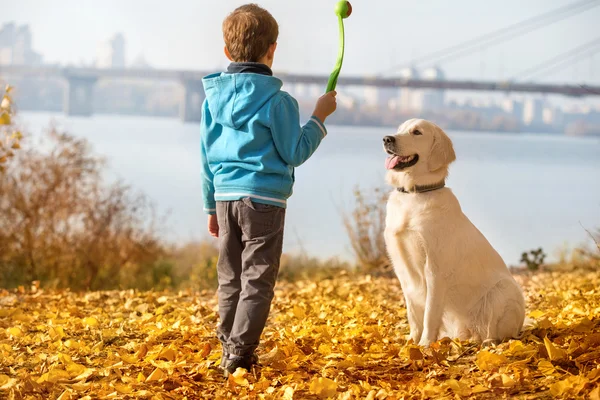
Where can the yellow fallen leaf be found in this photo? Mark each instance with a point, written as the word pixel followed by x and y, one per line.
pixel 536 314
pixel 6 382
pixel 288 393
pixel 546 367
pixel 56 332
pixel 15 331
pixel 65 395
pixel 457 387
pixel 451 384
pixel 91 321
pixel 239 377
pixel 593 374
pixel 156 375
pixel 141 377
pixel 487 361
pixel 56 375
pixel 586 325
pixel 168 365
pixel 122 388
pixel 84 374
pixel 554 352
pixel 595 393
pixel 323 387
pixel 299 312
pixel 507 381
pixel 81 386
pixel 430 390
pixel 479 389
pixel 517 348
pixel 545 324
pixel 75 369
pixel 98 347
pixel 570 386
pixel 71 344
pixel 324 349
pixel 168 354
pixel 129 358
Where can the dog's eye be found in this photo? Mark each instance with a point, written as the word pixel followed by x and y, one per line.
pixel 416 132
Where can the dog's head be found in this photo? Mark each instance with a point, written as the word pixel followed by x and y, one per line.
pixel 419 154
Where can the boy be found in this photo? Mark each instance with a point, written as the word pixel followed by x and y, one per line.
pixel 251 140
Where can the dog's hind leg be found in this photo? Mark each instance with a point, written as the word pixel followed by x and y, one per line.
pixel 501 313
pixel 510 323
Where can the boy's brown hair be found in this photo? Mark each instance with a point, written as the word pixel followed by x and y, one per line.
pixel 248 32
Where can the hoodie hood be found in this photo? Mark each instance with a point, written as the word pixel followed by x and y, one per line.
pixel 234 98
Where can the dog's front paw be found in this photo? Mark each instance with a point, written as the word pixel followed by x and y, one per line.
pixel 426 339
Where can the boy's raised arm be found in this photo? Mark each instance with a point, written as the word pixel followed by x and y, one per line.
pixel 295 144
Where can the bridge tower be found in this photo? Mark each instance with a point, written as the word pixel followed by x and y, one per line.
pixel 79 96
pixel 190 108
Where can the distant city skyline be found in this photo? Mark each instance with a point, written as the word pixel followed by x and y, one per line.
pixel 187 35
pixel 16 45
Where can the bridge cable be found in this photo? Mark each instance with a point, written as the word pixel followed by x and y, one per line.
pixel 558 59
pixel 540 70
pixel 504 34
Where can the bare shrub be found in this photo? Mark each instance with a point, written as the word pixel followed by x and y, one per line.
pixel 365 226
pixel 63 226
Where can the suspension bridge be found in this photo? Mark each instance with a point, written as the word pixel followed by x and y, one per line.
pixel 78 99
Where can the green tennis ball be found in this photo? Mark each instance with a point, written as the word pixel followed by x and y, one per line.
pixel 343 9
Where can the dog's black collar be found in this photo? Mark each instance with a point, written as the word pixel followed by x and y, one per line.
pixel 423 188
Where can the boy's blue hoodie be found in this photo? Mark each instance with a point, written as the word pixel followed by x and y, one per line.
pixel 251 139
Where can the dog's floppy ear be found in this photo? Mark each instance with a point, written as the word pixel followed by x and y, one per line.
pixel 442 151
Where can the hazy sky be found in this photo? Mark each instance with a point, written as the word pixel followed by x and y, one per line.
pixel 186 34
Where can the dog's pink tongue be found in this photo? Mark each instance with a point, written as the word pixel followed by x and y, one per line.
pixel 391 162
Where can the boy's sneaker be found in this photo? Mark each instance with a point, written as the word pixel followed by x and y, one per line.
pixel 236 362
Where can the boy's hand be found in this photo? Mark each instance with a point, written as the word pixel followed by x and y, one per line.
pixel 213 226
pixel 326 105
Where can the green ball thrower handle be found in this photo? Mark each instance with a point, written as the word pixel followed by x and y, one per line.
pixel 343 9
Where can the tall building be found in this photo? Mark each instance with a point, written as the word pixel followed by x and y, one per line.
pixel 16 46
pixel 533 111
pixel 513 107
pixel 552 116
pixel 380 97
pixel 111 54
pixel 432 99
pixel 409 99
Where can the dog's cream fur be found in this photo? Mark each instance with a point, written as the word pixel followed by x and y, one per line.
pixel 454 283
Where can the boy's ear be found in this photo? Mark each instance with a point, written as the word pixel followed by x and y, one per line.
pixel 271 53
pixel 227 54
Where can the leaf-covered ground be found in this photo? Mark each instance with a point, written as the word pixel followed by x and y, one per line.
pixel 341 339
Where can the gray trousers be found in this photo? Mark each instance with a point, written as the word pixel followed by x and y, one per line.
pixel 250 246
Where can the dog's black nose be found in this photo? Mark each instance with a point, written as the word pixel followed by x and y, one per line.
pixel 389 140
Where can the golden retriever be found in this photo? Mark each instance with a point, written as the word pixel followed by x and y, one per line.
pixel 454 282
